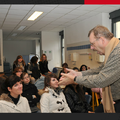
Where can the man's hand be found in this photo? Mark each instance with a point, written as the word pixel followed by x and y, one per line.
pixel 73 72
pixel 66 79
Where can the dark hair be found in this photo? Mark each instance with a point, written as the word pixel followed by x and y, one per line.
pixel 101 31
pixel 18 57
pixel 2 80
pixel 9 82
pixel 41 59
pixel 82 66
pixel 48 79
pixel 75 68
pixel 34 59
pixel 16 70
pixel 23 74
pixel 65 65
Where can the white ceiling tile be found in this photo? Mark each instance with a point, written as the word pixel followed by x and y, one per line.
pixel 42 8
pixel 78 12
pixel 18 12
pixel 89 7
pixel 68 16
pixel 24 7
pixel 4 6
pixel 54 15
pixel 61 10
pixel 3 11
pixel 15 17
pixel 106 9
pixel 69 6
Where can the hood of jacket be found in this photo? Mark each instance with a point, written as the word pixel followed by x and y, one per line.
pixel 5 97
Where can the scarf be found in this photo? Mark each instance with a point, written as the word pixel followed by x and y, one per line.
pixel 106 92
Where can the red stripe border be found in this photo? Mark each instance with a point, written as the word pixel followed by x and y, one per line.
pixel 102 2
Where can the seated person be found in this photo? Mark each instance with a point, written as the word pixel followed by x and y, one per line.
pixel 76 69
pixel 11 100
pixel 33 69
pixel 30 92
pixel 19 62
pixel 18 71
pixel 64 65
pixel 2 79
pixel 43 65
pixel 75 98
pixel 53 99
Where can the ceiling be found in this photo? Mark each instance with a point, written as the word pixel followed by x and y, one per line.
pixel 55 17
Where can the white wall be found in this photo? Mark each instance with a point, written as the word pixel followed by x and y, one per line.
pixel 37 49
pixel 51 41
pixel 77 35
pixel 11 49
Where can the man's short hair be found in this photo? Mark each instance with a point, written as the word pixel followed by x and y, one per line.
pixel 101 31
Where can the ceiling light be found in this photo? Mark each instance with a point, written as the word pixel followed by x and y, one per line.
pixel 21 27
pixel 14 34
pixel 35 15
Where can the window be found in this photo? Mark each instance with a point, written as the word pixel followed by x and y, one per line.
pixel 62 47
pixel 115 17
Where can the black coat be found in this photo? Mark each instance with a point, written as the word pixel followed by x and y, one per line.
pixel 28 91
pixel 76 104
pixel 43 67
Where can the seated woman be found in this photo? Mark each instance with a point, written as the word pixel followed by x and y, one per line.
pixel 75 98
pixel 33 69
pixel 18 71
pixel 19 62
pixel 30 92
pixel 53 99
pixel 64 65
pixel 43 65
pixel 11 100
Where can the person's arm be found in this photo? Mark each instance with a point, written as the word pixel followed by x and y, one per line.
pixel 47 67
pixel 27 107
pixel 44 103
pixel 37 98
pixel 41 67
pixel 107 76
pixel 93 71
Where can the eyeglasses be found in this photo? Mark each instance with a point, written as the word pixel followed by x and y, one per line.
pixel 92 44
pixel 26 77
pixel 19 71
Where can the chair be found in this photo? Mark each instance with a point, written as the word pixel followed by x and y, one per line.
pixel 95 101
pixel 7 69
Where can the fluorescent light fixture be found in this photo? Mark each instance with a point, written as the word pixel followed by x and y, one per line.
pixel 35 15
pixel 14 34
pixel 21 27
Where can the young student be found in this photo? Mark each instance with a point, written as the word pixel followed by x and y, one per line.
pixel 43 65
pixel 30 92
pixel 11 100
pixel 75 97
pixel 18 71
pixel 19 62
pixel 64 65
pixel 33 69
pixel 53 99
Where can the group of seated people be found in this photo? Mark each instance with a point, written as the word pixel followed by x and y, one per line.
pixel 19 93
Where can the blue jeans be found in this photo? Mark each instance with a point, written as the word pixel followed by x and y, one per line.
pixel 40 83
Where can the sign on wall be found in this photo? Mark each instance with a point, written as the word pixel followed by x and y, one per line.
pixel 48 54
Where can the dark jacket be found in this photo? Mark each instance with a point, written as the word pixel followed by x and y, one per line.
pixel 34 69
pixel 28 91
pixel 14 66
pixel 43 67
pixel 76 104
